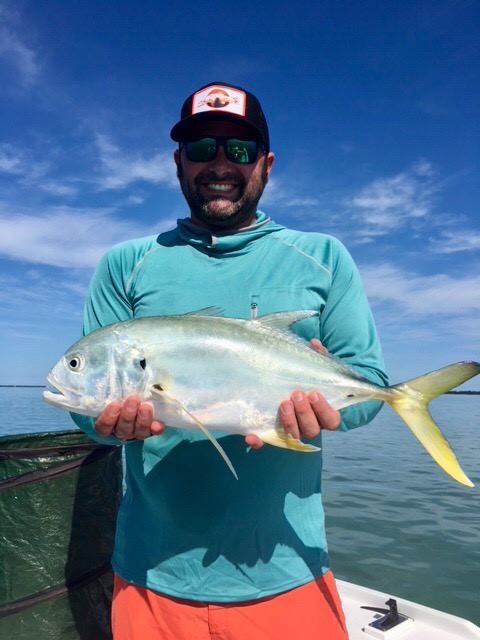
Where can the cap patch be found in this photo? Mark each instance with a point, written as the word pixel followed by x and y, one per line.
pixel 219 98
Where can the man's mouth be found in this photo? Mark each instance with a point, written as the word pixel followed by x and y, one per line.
pixel 220 186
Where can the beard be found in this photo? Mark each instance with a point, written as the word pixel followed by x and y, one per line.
pixel 220 212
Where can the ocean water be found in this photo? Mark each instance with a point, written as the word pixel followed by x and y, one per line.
pixel 395 521
pixel 22 410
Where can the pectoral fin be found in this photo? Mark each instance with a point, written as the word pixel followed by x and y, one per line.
pixel 179 409
pixel 285 441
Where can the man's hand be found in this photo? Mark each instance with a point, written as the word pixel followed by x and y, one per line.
pixel 304 415
pixel 131 419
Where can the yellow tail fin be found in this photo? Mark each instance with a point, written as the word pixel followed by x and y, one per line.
pixel 410 400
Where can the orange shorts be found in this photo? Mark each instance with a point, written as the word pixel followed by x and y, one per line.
pixel 312 611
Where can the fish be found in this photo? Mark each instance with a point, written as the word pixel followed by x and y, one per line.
pixel 203 371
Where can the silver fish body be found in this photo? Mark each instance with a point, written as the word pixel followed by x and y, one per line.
pixel 230 375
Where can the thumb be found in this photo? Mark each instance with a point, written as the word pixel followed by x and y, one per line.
pixel 318 346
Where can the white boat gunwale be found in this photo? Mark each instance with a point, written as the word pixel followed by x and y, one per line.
pixel 428 623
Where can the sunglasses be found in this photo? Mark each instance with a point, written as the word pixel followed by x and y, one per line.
pixel 237 151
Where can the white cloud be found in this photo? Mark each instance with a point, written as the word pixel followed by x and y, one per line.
pixel 16 53
pixel 456 241
pixel 117 169
pixel 381 208
pixel 135 200
pixel 386 204
pixel 121 169
pixel 20 164
pixel 423 168
pixel 302 201
pixel 17 162
pixel 34 287
pixel 66 236
pixel 10 161
pixel 56 188
pixel 273 192
pixel 276 194
pixel 422 296
pixel 49 295
pixel 418 312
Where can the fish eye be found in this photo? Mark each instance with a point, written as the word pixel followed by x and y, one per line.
pixel 75 363
pixel 143 363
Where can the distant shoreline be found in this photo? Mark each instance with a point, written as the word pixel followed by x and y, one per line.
pixel 23 386
pixel 42 386
pixel 462 393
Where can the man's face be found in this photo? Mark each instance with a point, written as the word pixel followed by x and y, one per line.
pixel 220 193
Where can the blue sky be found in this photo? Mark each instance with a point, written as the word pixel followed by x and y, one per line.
pixel 373 112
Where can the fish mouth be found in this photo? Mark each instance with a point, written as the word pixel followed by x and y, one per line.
pixel 60 396
pixel 54 394
pixel 70 399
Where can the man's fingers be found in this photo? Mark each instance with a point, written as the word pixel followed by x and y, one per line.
pixel 253 441
pixel 308 423
pixel 131 420
pixel 303 416
pixel 327 417
pixel 288 418
pixel 106 421
pixel 126 422
pixel 143 423
pixel 157 428
pixel 317 345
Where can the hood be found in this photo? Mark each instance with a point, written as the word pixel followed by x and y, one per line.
pixel 229 243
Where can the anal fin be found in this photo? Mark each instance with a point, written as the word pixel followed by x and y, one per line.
pixel 286 441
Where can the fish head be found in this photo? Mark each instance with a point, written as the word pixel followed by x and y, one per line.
pixel 100 368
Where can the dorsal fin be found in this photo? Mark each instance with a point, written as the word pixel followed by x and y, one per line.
pixel 284 320
pixel 214 312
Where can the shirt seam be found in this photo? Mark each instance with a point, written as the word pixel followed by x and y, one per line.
pixel 136 268
pixel 303 253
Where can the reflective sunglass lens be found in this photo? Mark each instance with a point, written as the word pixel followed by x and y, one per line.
pixel 241 151
pixel 236 150
pixel 201 150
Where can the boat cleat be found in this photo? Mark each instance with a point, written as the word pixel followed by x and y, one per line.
pixel 390 625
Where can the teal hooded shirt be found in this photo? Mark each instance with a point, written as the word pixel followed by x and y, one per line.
pixel 186 527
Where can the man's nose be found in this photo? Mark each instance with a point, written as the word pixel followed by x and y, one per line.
pixel 220 161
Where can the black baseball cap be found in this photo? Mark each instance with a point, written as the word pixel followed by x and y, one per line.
pixel 221 101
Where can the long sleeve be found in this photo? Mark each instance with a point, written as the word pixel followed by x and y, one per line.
pixel 348 332
pixel 107 302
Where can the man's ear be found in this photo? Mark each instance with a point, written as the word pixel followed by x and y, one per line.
pixel 267 166
pixel 178 162
pixel 270 161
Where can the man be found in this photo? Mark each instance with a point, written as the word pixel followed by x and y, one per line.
pixel 198 554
